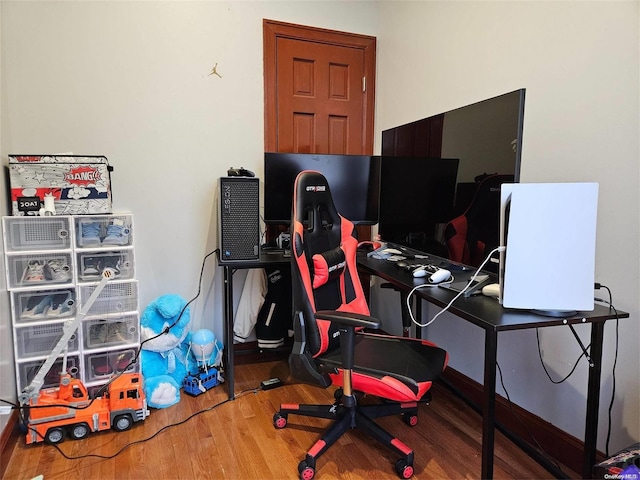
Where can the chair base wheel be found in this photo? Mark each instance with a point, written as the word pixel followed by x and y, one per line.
pixel 410 419
pixel 306 472
pixel 279 420
pixel 404 469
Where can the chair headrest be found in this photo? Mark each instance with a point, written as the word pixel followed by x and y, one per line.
pixel 313 195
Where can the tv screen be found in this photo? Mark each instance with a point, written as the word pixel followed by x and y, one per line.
pixel 486 138
pixel 416 194
pixel 354 181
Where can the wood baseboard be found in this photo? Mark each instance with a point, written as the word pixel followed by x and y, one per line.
pixel 541 435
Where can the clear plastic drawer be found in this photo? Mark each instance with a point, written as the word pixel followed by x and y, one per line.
pixel 36 305
pixel 104 231
pixel 99 366
pixel 38 340
pixel 39 269
pixel 92 264
pixel 116 297
pixel 110 331
pixel 28 370
pixel 37 233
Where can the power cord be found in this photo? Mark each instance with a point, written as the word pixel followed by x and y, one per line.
pixel 609 302
pixel 166 427
pixel 598 286
pixel 573 369
pixel 524 426
pixel 460 293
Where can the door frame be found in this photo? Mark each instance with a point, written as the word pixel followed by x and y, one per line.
pixel 272 30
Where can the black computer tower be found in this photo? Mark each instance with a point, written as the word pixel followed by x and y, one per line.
pixel 238 218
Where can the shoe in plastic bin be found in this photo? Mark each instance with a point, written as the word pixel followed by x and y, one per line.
pixel 89 234
pixel 34 272
pixel 57 271
pixel 117 233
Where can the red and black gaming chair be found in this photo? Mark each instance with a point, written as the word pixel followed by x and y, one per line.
pixel 331 346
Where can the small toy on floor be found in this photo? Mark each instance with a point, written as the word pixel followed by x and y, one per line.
pixel 207 351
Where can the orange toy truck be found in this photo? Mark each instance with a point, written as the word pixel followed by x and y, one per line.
pixel 68 410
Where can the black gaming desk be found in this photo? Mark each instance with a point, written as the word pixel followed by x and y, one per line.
pixel 489 315
pixel 266 258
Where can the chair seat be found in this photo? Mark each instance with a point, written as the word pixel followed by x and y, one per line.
pixel 395 368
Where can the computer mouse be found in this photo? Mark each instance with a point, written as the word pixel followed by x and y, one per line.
pixel 439 276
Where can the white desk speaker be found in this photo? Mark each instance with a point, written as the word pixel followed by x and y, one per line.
pixel 549 230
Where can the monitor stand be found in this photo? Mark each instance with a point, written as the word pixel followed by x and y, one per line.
pixel 555 313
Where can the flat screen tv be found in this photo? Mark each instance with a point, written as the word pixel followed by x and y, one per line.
pixel 354 181
pixel 416 194
pixel 486 139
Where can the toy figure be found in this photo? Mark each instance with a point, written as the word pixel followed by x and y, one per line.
pixel 207 351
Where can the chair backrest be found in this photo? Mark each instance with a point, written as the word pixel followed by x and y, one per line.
pixel 324 271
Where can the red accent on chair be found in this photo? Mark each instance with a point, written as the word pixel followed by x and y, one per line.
pixel 401 446
pixel 317 448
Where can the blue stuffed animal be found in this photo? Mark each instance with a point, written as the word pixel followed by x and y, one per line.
pixel 164 360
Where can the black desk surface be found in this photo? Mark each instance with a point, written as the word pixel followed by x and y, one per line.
pixel 267 257
pixel 482 311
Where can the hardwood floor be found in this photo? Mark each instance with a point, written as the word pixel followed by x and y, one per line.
pixel 237 440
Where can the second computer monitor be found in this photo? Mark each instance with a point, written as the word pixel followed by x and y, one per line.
pixel 416 195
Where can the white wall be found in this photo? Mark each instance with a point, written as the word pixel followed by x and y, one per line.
pixel 7 370
pixel 129 80
pixel 579 62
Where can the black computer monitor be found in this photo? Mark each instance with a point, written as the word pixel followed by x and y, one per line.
pixel 416 195
pixel 354 181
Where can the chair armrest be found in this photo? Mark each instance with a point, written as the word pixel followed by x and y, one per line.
pixel 349 319
pixel 348 322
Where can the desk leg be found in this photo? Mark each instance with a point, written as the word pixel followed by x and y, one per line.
pixel 489 413
pixel 593 400
pixel 406 319
pixel 228 329
pixel 419 317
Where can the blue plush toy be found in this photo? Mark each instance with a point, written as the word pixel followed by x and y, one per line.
pixel 164 360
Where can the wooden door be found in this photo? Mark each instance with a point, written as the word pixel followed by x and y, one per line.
pixel 319 90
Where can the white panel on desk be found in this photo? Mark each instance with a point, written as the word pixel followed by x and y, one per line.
pixel 551 239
